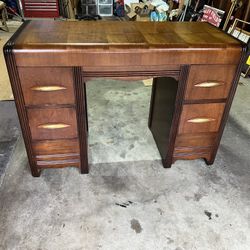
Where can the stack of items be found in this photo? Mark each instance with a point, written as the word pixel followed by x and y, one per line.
pixel 155 10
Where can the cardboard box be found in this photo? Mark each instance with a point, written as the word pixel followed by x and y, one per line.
pixel 140 11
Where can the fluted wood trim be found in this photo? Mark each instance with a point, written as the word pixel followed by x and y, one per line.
pixel 80 97
pixel 144 74
pixel 19 99
pixel 228 104
pixel 177 113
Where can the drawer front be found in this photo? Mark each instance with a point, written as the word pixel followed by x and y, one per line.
pixel 192 155
pixel 56 123
pixel 209 81
pixel 200 118
pixel 57 153
pixel 52 147
pixel 195 140
pixel 193 146
pixel 58 163
pixel 47 85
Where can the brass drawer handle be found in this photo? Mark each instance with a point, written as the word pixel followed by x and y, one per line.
pixel 208 84
pixel 48 88
pixel 54 125
pixel 201 120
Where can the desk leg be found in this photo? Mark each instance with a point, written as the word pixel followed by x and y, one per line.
pixel 81 111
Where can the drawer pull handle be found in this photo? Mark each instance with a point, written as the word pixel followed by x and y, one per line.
pixel 201 120
pixel 54 125
pixel 208 84
pixel 48 88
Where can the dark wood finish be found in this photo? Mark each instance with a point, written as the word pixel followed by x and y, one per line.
pixel 166 102
pixel 133 75
pixel 168 159
pixel 86 108
pixel 201 101
pixel 47 85
pixel 80 95
pixel 204 85
pixel 193 65
pixel 162 111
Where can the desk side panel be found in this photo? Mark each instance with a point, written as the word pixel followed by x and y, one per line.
pixel 163 98
pixel 19 99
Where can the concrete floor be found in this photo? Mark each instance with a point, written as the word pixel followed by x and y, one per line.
pixel 127 202
pixel 9 134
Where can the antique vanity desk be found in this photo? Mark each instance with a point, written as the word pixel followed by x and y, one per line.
pixel 195 67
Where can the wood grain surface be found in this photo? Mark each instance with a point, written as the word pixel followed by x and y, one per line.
pixel 112 44
pixel 122 34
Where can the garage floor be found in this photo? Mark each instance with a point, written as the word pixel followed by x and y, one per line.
pixel 9 134
pixel 129 201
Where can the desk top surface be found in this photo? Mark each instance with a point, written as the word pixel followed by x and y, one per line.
pixel 121 35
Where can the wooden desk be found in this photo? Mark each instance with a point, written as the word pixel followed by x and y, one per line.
pixel 195 66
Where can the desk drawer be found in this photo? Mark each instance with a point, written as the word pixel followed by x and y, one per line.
pixel 196 140
pixel 52 147
pixel 209 81
pixel 192 154
pixel 57 153
pixel 193 146
pixel 47 85
pixel 56 123
pixel 200 118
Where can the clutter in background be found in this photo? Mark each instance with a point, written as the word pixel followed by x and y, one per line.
pixel 155 10
pixel 159 12
pixel 168 10
pixel 139 11
pixel 238 30
pixel 4 16
pixel 212 15
pixel 119 8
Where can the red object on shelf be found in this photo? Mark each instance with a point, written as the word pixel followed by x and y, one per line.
pixel 212 15
pixel 40 8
